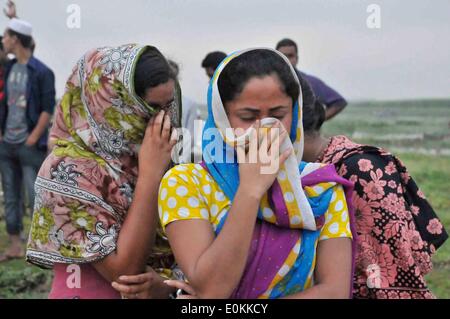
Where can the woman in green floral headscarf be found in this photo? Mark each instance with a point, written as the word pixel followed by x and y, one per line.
pixel 95 215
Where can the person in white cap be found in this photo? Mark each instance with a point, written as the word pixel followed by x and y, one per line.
pixel 11 12
pixel 25 112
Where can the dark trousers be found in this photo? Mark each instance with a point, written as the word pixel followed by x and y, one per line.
pixel 19 165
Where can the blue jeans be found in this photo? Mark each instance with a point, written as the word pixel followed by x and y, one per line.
pixel 18 164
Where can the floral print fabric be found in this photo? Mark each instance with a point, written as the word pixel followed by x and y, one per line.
pixel 85 186
pixel 398 231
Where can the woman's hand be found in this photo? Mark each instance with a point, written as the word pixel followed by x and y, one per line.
pixel 10 11
pixel 148 285
pixel 259 165
pixel 178 284
pixel 156 148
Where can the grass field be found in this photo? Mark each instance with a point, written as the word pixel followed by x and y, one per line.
pixel 417 131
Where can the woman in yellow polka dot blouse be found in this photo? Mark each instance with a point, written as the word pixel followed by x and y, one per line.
pixel 231 234
pixel 240 230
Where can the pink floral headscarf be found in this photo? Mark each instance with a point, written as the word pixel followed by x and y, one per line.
pixel 85 186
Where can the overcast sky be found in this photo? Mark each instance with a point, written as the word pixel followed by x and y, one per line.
pixel 408 57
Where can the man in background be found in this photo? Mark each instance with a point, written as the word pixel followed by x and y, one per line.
pixel 212 61
pixel 29 101
pixel 332 100
pixel 11 12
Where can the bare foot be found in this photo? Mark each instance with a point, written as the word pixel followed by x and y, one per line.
pixel 4 257
pixel 16 251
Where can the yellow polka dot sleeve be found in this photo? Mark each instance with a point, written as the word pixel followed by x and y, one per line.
pixel 187 191
pixel 337 222
pixel 180 197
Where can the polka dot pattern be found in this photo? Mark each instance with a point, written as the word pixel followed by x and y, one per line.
pixel 267 213
pixel 182 191
pixel 337 223
pixel 187 191
pixel 289 197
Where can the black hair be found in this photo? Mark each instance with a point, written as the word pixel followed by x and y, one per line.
pixel 256 63
pixel 152 69
pixel 260 63
pixel 1 44
pixel 313 110
pixel 213 59
pixel 174 65
pixel 25 40
pixel 313 117
pixel 287 43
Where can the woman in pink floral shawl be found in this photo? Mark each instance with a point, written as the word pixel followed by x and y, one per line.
pixel 95 212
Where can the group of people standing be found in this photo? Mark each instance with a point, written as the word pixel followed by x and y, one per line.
pixel 335 219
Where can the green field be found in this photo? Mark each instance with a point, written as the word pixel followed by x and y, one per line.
pixel 417 131
pixel 403 126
